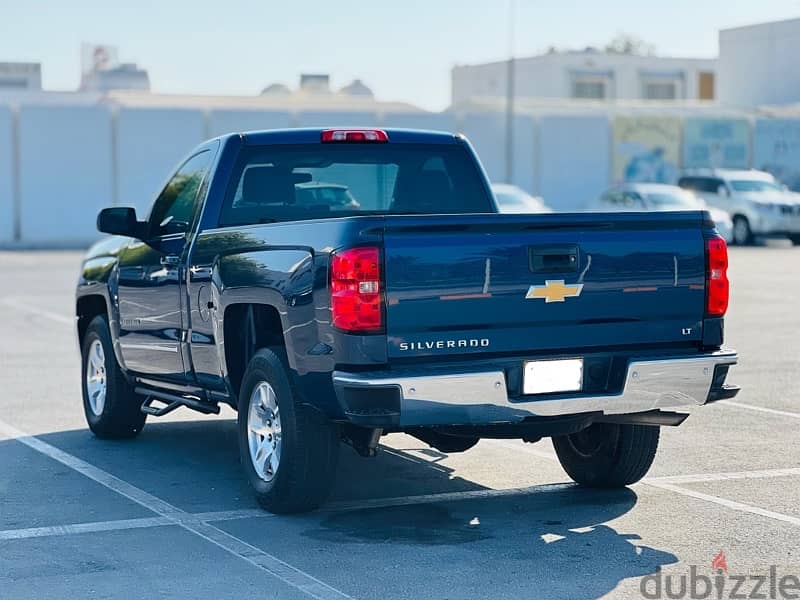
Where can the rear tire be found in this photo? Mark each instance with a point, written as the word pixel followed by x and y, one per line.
pixel 608 455
pixel 112 408
pixel 742 234
pixel 288 450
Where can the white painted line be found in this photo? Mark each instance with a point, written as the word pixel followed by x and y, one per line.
pixel 707 477
pixel 290 575
pixel 37 311
pixel 525 447
pixel 668 483
pixel 122 524
pixel 59 530
pixel 411 458
pixel 200 519
pixel 764 409
pixel 231 515
pixel 731 504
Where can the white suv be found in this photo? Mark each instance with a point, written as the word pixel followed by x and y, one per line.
pixel 758 203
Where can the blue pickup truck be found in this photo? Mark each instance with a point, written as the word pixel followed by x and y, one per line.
pixel 336 285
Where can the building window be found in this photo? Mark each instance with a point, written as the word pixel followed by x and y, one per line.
pixel 662 85
pixel 591 89
pixel 660 90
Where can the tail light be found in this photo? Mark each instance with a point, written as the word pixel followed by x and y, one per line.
pixel 354 135
pixel 356 299
pixel 717 285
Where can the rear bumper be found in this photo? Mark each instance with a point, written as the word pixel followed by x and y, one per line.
pixel 434 397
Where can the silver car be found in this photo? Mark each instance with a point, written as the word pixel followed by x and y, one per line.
pixel 759 204
pixel 511 199
pixel 658 197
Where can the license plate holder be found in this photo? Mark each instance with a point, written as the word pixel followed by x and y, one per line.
pixel 552 376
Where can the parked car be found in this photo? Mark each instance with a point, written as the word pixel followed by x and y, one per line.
pixel 758 204
pixel 660 197
pixel 511 199
pixel 332 195
pixel 427 314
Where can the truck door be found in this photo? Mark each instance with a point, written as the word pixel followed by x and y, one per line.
pixel 150 297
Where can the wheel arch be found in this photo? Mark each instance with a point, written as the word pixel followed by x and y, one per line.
pixel 248 326
pixel 87 308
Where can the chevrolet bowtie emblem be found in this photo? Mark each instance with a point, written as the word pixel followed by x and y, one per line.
pixel 554 290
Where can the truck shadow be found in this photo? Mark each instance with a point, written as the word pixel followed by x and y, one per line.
pixel 551 541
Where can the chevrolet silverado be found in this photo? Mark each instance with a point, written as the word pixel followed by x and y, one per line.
pixel 413 306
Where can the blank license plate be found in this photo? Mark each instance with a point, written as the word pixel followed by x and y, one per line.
pixel 550 376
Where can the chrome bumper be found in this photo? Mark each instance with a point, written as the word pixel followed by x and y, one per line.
pixel 458 398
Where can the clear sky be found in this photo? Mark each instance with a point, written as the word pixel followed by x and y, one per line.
pixel 402 49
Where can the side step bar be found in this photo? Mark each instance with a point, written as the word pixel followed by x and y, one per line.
pixel 171 402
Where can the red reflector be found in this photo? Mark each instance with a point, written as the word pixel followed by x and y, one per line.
pixel 717 285
pixel 356 299
pixel 354 135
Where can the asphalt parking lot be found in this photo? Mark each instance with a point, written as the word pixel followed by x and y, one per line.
pixel 169 516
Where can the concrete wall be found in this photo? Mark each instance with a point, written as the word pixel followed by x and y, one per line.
pixel 77 157
pixel 487 133
pixel 334 119
pixel 150 143
pixel 65 174
pixel 6 174
pixel 758 64
pixel 776 148
pixel 574 161
pixel 229 120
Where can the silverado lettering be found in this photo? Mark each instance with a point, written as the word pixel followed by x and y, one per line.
pixel 328 285
pixel 442 344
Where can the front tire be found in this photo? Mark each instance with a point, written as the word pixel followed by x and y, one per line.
pixel 288 450
pixel 608 455
pixel 742 234
pixel 111 407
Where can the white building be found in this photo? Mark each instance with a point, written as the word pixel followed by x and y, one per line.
pixel 20 76
pixel 758 64
pixel 126 76
pixel 589 74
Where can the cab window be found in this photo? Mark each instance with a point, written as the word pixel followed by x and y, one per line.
pixel 175 207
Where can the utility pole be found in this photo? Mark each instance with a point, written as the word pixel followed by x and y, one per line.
pixel 510 95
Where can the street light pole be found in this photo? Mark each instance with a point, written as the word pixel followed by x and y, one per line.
pixel 510 95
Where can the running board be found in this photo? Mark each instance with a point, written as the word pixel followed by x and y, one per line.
pixel 171 402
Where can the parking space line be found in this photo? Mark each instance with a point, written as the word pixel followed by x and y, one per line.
pixel 200 519
pixel 708 477
pixel 123 524
pixel 526 447
pixel 731 504
pixel 77 528
pixel 37 311
pixel 764 409
pixel 292 576
pixel 668 484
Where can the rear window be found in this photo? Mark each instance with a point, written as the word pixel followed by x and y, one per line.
pixel 298 182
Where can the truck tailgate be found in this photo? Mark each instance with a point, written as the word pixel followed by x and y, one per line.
pixel 542 283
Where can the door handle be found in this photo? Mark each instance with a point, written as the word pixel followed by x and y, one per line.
pixel 170 260
pixel 554 259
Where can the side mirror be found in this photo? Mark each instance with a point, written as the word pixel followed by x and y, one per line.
pixel 119 221
pixel 722 192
